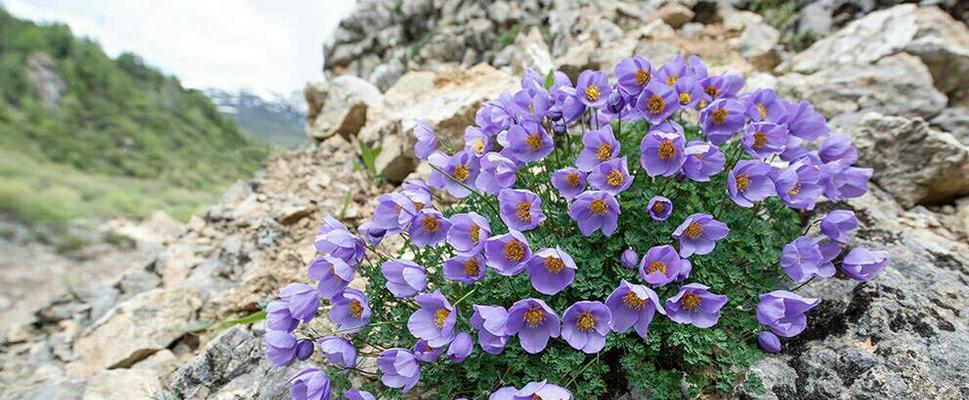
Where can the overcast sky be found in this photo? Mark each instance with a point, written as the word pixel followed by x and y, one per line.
pixel 259 45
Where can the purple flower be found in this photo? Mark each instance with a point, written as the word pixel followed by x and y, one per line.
pixel 400 369
pixel 863 264
pixel 520 209
pixel 371 233
pixel 657 102
pixel 721 86
pixel 460 348
pixel 629 258
pixel 769 342
pixel 542 390
pixel 425 353
pixel 661 153
pixel 599 146
pixel 468 233
pixel 592 88
pixel 569 181
pixel 496 115
pixel 595 210
pixel 762 105
pixel 404 278
pixel 798 185
pixel 550 270
pixel 702 161
pixel 660 208
pixel 662 265
pixel 804 122
pixel 507 253
pixel 357 394
pixel 699 233
pixel 418 192
pixel 688 92
pixel 783 312
pixel 762 139
pixel 838 147
pixel 842 182
pixel 461 169
pixel 505 393
pixel 802 258
pixel 695 305
pixel 750 182
pixel 280 347
pixel 721 119
pixel 585 325
pixel 633 74
pixel 671 72
pixel 428 228
pixel 837 224
pixel 279 318
pixel 393 211
pixel 534 322
pixel 532 104
pixel 476 141
pixel 338 351
pixel 564 99
pixel 526 142
pixel 465 269
pixel 303 300
pixel 490 321
pixel 350 311
pixel 333 275
pixel 434 321
pixel 426 140
pixel 611 176
pixel 310 384
pixel 633 306
pixel 497 172
pixel 334 239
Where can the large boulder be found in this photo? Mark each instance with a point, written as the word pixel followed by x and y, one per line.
pixel 338 106
pixel 915 163
pixel 447 100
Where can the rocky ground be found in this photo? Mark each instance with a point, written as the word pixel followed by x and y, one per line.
pixel 894 79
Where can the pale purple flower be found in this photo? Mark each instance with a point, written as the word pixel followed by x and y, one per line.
pixel 550 270
pixel 542 390
pixel 689 93
pixel 699 233
pixel 496 172
pixel 594 211
pixel 611 176
pixel 357 394
pixel 332 275
pixel 762 139
pixel 804 122
pixel 598 146
pixel 310 384
pixel 783 312
pixel 703 160
pixel 338 351
pixel 657 102
pixel 526 142
pixel 569 182
pixel 762 105
pixel 721 86
pixel 660 208
pixel 633 306
pixel 418 192
pixel 565 100
pixel 425 353
pixel 769 342
pixel 695 305
pixel 460 348
pixel 400 369
pixel 394 211
pixel 837 223
pixel 371 233
pixel 842 182
pixel 521 210
pixel 468 233
pixel 507 253
pixel 534 322
pixel 334 239
pixel 280 347
pixel 629 258
pixel 426 140
pixel 505 393
pixel 798 185
pixel 592 88
pixel 434 321
pixel 863 264
pixel 303 300
pixel 749 182
pixel 661 265
pixel 633 74
pixel 802 258
pixel 465 269
pixel 279 318
pixel 532 104
pixel 350 311
pixel 671 72
pixel 428 228
pixel 496 115
pixel 585 325
pixel 490 321
pixel 404 278
pixel 461 171
pixel 838 147
pixel 661 153
pixel 722 119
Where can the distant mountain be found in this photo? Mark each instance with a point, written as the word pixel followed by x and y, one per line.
pixel 270 117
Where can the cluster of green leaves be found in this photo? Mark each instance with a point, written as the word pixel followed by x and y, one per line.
pixel 675 360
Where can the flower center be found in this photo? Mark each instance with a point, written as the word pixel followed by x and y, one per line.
pixel 690 301
pixel 656 266
pixel 471 267
pixel 418 205
pixel 642 77
pixel 554 264
pixel 666 150
pixel 586 322
pixel 694 230
pixel 720 115
pixel 524 211
pixel 430 223
pixel 462 172
pixel 605 152
pixel 632 301
pixel 711 90
pixel 536 397
pixel 514 251
pixel 534 142
pixel 762 110
pixel 658 207
pixel 479 146
pixel 475 234
pixel 534 316
pixel 743 181
pixel 592 93
pixel 573 179
pixel 598 207
pixel 794 189
pixel 655 104
pixel 531 107
pixel 672 80
pixel 685 98
pixel 440 316
pixel 760 139
pixel 356 309
pixel 615 178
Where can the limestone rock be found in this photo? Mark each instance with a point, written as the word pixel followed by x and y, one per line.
pixel 675 14
pixel 338 106
pixel 135 329
pixel 531 51
pixel 956 121
pixel 913 162
pixel 123 384
pixel 758 44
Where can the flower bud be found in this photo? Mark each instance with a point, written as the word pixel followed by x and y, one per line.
pixel 629 258
pixel 769 342
pixel 555 114
pixel 304 349
pixel 559 128
pixel 616 102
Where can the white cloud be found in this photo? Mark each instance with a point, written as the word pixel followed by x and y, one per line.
pixel 243 44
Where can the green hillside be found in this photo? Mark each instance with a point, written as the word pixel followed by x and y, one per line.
pixel 71 116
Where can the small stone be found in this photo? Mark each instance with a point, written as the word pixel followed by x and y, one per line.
pixel 675 14
pixel 338 106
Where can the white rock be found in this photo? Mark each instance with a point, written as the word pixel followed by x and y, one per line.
pixel 338 106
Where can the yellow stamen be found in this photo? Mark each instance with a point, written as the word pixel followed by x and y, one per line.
pixel 642 77
pixel 479 146
pixel 655 104
pixel 524 211
pixel 685 98
pixel 605 152
pixel 615 178
pixel 440 316
pixel 658 207
pixel 461 172
pixel 666 150
pixel 598 207
pixel 475 233
pixel 794 190
pixel 720 116
pixel 760 139
pixel 514 251
pixel 534 316
pixel 430 223
pixel 586 322
pixel 573 179
pixel 690 301
pixel 534 141
pixel 471 267
pixel 694 230
pixel 672 80
pixel 356 309
pixel 632 301
pixel 555 265
pixel 762 110
pixel 711 90
pixel 743 181
pixel 592 93
pixel 656 266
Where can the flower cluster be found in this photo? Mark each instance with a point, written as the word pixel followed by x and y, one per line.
pixel 533 256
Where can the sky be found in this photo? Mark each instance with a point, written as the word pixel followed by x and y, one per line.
pixel 260 45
